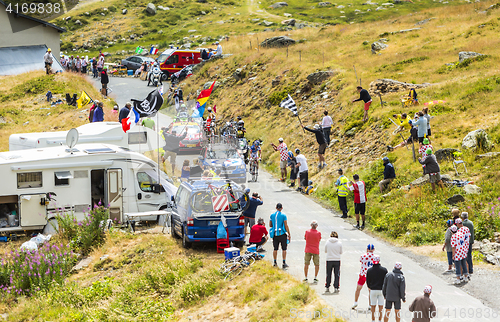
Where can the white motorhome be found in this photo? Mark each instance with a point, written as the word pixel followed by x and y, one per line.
pixel 77 179
pixel 139 139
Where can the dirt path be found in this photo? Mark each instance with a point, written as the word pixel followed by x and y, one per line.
pixel 253 8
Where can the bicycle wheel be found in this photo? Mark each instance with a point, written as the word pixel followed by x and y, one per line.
pixel 233 272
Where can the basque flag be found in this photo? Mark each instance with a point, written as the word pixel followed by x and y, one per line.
pixel 131 120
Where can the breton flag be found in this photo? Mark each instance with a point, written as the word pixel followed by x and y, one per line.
pixel 83 100
pixel 153 51
pixel 202 101
pixel 289 104
pixel 151 104
pixel 131 120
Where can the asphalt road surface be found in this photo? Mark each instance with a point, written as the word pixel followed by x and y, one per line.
pixel 453 304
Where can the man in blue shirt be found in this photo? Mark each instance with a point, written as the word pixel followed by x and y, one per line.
pixel 249 214
pixel 280 233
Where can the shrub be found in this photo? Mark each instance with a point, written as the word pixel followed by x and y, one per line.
pixel 87 234
pixel 26 272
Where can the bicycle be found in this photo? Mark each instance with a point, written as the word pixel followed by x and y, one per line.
pixel 238 199
pixel 254 169
pixel 234 266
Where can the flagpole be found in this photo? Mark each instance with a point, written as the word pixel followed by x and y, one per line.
pixel 301 123
pixel 158 144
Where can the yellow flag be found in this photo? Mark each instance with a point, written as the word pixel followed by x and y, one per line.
pixel 83 100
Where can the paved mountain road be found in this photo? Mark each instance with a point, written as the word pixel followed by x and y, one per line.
pixel 453 304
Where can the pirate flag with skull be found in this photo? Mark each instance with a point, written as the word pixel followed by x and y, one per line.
pixel 151 104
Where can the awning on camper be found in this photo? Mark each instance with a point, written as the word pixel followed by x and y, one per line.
pixel 22 59
pixel 63 175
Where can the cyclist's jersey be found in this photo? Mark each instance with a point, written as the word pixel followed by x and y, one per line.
pixel 254 151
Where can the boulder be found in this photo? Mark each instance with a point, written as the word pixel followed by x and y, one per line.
pixel 288 22
pixel 279 5
pixel 445 154
pixel 208 84
pixel 279 41
pixel 386 85
pixel 446 178
pixel 472 189
pixel 463 55
pixel 351 132
pixel 477 139
pixel 324 4
pixel 151 9
pixel 420 181
pixel 319 77
pixel 378 46
pixel 455 199
pixel 268 23
pixel 488 155
pixel 238 74
pixel 288 15
pixel 124 11
pixel 78 22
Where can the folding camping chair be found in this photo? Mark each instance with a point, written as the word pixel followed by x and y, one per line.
pixel 457 161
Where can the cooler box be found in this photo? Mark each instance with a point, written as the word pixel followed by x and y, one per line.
pixel 231 252
pixel 130 72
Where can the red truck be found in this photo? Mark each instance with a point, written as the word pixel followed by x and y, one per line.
pixel 173 60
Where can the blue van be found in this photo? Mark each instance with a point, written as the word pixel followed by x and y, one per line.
pixel 193 217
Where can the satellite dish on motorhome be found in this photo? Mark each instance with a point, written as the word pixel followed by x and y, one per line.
pixel 72 139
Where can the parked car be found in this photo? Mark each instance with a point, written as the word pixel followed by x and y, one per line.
pixel 135 62
pixel 193 217
pixel 192 141
pixel 225 161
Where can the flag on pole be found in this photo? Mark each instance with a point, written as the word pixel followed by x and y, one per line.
pixel 289 104
pixel 131 120
pixel 153 51
pixel 202 100
pixel 138 50
pixel 151 104
pixel 83 100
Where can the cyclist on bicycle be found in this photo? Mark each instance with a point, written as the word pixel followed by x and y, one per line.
pixel 255 152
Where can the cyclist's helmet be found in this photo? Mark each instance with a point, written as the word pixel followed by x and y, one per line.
pixel 297 151
pixel 370 247
pixel 209 109
pixel 239 118
pixel 290 154
pixel 241 122
pixel 256 142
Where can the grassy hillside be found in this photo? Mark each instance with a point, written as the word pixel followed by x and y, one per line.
pixel 24 107
pixel 150 277
pixel 426 55
pixel 95 26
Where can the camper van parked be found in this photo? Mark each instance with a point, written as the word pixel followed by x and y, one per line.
pixel 37 182
pixel 139 138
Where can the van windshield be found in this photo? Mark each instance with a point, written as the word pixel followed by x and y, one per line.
pixel 222 154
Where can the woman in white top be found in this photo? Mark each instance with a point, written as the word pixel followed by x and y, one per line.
pixel 333 250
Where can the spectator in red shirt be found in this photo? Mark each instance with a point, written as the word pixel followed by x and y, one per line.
pixel 258 234
pixel 312 237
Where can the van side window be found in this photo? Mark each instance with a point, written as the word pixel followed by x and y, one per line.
pixel 29 180
pixel 145 181
pixel 182 197
pixel 174 59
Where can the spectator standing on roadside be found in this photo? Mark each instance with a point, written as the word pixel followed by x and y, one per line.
pixel 394 291
pixel 292 163
pixel 98 113
pixel 366 262
pixel 422 307
pixel 84 65
pixel 280 233
pixel 303 170
pixel 320 138
pixel 470 225
pixel 431 167
pixel 326 126
pixel 95 72
pixel 283 150
pixel 447 243
pixel 100 63
pixel 366 98
pixel 425 110
pixel 342 192
pixel 422 126
pixel 78 64
pixel 259 235
pixel 460 247
pixel 104 82
pixel 312 238
pixel 124 111
pixel 375 281
pixel 389 175
pixel 333 250
pixel 359 189
pixel 249 213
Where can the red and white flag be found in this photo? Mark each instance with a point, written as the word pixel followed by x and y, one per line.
pixel 131 120
pixel 220 203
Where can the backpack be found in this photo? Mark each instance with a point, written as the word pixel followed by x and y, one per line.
pixel 91 113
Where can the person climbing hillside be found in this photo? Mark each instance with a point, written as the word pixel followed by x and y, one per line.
pixel 365 97
pixel 320 138
pixel 326 125
pixel 431 167
pixel 389 175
